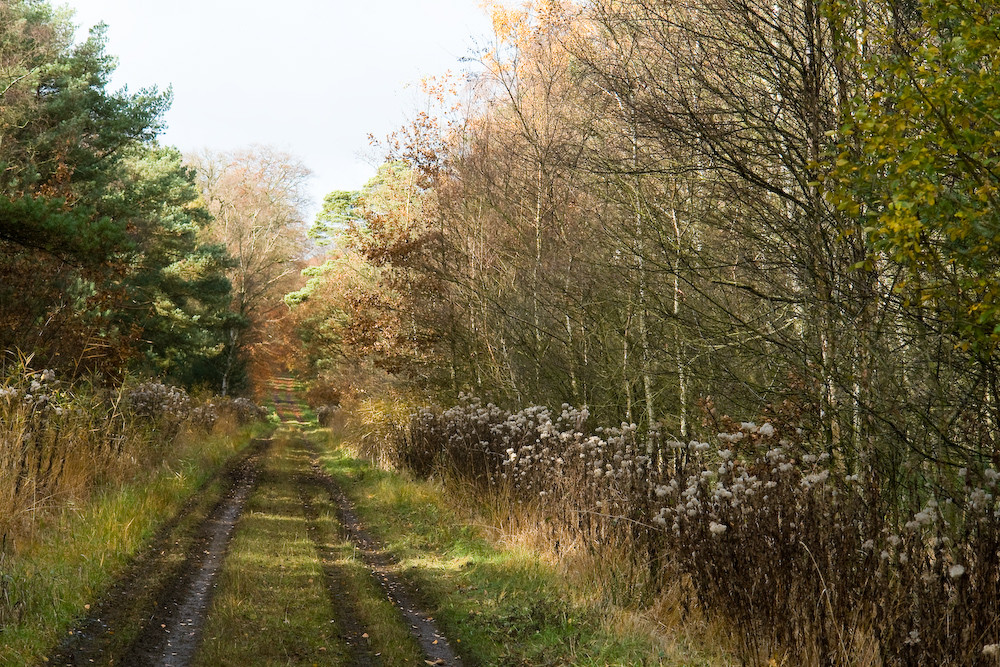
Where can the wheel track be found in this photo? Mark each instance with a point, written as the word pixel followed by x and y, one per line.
pixel 354 632
pixel 432 641
pixel 172 634
pixel 435 646
pixel 95 640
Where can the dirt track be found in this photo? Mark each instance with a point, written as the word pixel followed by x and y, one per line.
pixel 171 636
pixel 127 625
pixel 435 646
pixel 155 613
pixel 433 643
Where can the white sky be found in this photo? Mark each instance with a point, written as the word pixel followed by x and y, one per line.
pixel 311 77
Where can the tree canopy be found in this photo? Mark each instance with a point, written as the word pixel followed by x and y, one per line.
pixel 919 160
pixel 673 213
pixel 102 266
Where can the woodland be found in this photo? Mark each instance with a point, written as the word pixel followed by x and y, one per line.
pixel 709 289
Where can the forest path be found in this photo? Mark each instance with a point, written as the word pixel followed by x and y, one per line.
pixel 271 564
pixel 433 644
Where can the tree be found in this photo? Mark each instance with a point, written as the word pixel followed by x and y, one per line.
pixel 372 298
pixel 768 208
pixel 257 199
pixel 74 205
pixel 919 161
pixel 177 294
pixel 340 211
pixel 916 161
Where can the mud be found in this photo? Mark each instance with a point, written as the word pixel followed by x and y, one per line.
pixel 129 624
pixel 433 643
pixel 172 635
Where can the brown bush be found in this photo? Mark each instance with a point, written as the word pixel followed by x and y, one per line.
pixel 799 558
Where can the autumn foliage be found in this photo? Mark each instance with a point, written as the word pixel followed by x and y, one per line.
pixel 669 213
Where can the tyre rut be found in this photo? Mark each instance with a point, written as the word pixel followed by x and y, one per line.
pixel 172 608
pixel 354 633
pixel 432 641
pixel 173 635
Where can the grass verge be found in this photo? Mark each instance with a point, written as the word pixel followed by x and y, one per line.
pixel 72 555
pixel 499 604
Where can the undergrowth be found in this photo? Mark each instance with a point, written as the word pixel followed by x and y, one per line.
pixel 61 441
pixel 499 598
pixel 753 526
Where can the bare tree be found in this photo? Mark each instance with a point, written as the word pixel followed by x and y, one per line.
pixel 258 198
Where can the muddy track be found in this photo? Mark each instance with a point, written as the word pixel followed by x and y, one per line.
pixel 154 614
pixel 336 584
pixel 433 643
pixel 163 591
pixel 172 633
pixel 285 403
pixel 435 646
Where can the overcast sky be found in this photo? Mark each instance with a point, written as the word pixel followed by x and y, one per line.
pixel 312 77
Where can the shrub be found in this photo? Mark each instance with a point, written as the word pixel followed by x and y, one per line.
pixel 325 414
pixel 800 556
pixel 165 407
pixel 55 441
pixel 246 411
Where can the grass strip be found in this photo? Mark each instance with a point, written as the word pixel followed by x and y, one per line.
pixel 269 606
pixel 499 605
pixel 352 585
pixel 272 605
pixel 72 557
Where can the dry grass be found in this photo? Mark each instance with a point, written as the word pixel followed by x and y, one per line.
pixel 603 578
pixel 372 423
pixel 754 537
pixel 60 442
pixel 55 445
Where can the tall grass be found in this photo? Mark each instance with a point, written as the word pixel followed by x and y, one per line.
pixel 58 442
pixel 805 563
pixel 372 424
pixel 86 472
